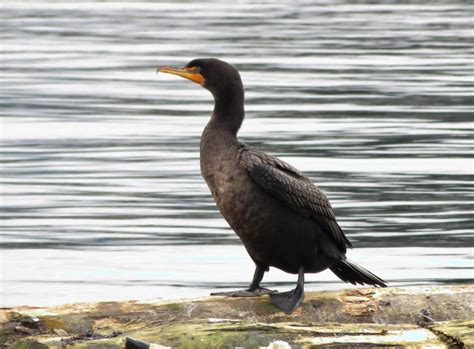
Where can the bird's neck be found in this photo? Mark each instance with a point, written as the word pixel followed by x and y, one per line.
pixel 228 113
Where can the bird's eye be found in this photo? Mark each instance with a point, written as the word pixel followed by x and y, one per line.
pixel 197 69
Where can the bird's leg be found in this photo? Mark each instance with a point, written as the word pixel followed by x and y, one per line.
pixel 254 289
pixel 289 301
pixel 257 278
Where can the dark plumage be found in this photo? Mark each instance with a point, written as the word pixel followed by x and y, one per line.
pixel 282 218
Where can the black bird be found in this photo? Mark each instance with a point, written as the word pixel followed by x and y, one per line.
pixel 282 218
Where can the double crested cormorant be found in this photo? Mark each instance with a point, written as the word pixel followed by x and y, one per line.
pixel 282 218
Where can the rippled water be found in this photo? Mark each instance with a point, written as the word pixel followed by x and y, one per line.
pixel 101 192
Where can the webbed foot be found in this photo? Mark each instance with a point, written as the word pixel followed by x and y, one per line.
pixel 288 301
pixel 259 291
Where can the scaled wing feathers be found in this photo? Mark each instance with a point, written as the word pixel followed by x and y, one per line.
pixel 293 188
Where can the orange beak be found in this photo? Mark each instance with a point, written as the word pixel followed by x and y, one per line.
pixel 190 73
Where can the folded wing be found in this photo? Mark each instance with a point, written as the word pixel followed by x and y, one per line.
pixel 294 189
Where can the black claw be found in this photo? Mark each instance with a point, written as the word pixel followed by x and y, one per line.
pixel 288 301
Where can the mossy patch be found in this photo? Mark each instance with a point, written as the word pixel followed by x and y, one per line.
pixel 266 308
pixel 28 344
pixel 456 332
pixel 174 306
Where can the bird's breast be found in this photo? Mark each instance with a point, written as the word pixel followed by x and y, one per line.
pixel 224 177
pixel 229 183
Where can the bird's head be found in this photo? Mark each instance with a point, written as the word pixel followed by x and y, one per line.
pixel 213 74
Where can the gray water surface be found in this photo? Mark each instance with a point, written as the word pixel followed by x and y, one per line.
pixel 102 198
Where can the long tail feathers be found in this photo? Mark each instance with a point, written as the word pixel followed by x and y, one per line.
pixel 355 274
